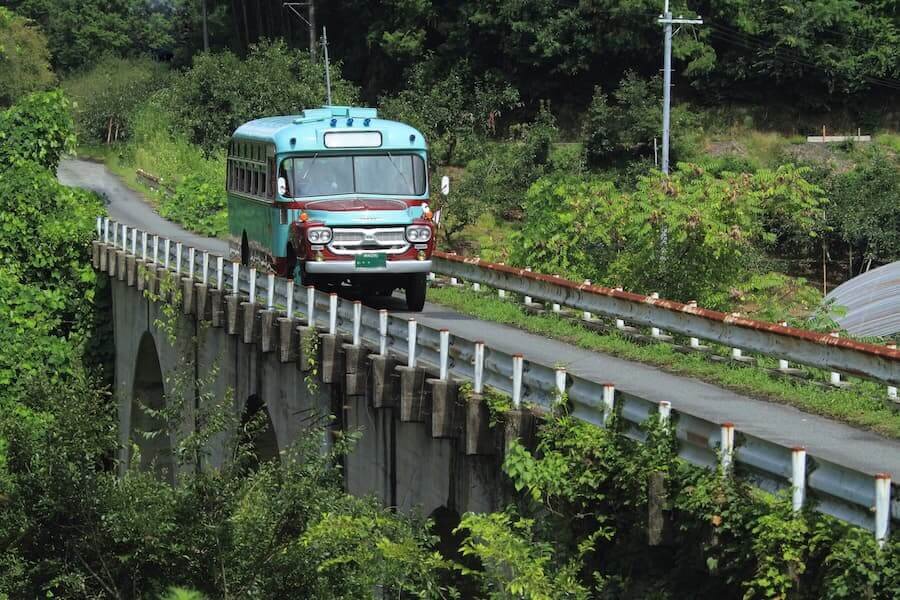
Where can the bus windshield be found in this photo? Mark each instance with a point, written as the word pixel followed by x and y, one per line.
pixel 330 175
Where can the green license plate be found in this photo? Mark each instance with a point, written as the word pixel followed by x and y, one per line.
pixel 371 260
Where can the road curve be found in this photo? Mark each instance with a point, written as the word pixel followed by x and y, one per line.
pixel 785 425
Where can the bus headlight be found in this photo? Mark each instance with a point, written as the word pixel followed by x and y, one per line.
pixel 418 233
pixel 318 235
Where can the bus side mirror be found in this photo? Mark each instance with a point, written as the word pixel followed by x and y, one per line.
pixel 282 186
pixel 445 185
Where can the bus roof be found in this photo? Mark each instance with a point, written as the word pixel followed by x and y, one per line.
pixel 306 132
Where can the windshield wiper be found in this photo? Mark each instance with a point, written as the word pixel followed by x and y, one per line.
pixel 409 187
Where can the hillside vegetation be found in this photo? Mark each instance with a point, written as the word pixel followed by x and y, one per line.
pixel 545 114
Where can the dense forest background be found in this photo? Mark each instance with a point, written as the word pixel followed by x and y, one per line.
pixel 794 57
pixel 544 113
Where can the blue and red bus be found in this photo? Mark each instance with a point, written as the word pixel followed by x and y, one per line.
pixel 335 197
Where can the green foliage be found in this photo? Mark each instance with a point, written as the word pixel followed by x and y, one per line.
pixel 24 58
pixel 689 237
pixel 220 91
pixel 516 563
pixel 107 96
pixel 38 128
pixel 625 129
pixel 198 203
pixel 865 208
pixel 496 181
pixel 455 110
pixel 81 33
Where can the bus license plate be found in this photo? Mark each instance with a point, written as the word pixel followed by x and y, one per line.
pixel 371 260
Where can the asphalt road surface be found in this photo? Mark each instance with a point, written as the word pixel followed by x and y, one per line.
pixel 824 438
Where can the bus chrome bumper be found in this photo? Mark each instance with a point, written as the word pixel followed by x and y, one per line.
pixel 348 267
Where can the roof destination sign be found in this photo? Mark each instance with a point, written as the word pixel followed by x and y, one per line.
pixel 352 139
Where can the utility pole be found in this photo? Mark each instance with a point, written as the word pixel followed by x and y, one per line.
pixel 327 69
pixel 667 20
pixel 309 19
pixel 205 28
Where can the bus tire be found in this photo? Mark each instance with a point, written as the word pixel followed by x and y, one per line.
pixel 416 287
pixel 245 250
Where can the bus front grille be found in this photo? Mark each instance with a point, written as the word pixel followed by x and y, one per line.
pixel 390 240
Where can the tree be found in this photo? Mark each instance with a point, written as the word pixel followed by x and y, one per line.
pixel 24 58
pixel 39 128
pixel 220 92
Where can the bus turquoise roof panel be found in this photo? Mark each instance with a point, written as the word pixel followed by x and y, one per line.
pixel 306 132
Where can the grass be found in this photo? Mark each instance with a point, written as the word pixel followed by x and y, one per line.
pixel 862 405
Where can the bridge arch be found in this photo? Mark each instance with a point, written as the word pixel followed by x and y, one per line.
pixel 259 430
pixel 148 394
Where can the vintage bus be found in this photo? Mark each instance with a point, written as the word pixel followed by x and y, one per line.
pixel 336 198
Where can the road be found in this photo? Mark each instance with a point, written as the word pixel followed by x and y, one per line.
pixel 824 438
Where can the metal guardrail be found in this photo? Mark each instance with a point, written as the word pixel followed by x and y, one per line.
pixel 863 499
pixel 819 350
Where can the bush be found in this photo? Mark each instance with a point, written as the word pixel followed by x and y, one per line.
pixel 107 96
pixel 691 236
pixel 497 180
pixel 220 92
pixel 24 58
pixel 38 128
pixel 454 111
pixel 625 129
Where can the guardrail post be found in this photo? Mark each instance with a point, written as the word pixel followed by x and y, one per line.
pixel 665 413
pixel 518 364
pixel 270 291
pixel 560 383
pixel 478 383
pixel 252 285
pixel 727 447
pixel 528 299
pixel 205 268
pixel 783 365
pixel 233 301
pixel 798 477
pixel 178 259
pixel 445 354
pixel 289 298
pixel 556 307
pixel 357 318
pixel 99 228
pixel 310 306
pixel 332 313
pixel 115 238
pixel 586 315
pixel 382 331
pixel 835 377
pixel 220 272
pixel 134 241
pixel 882 507
pixel 249 312
pixel 892 389
pixel 654 331
pixel 609 402
pixel 476 287
pixel 411 343
pixel 166 246
pixel 105 230
pixel 155 249
pixel 431 276
pixel 454 282
pixel 144 246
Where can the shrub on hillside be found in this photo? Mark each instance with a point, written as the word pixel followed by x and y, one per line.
pixel 624 128
pixel 107 96
pixel 455 111
pixel 690 236
pixel 38 128
pixel 24 58
pixel 220 91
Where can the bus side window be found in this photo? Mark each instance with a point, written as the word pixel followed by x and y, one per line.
pixel 270 191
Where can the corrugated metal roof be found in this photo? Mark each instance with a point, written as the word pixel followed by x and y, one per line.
pixel 872 301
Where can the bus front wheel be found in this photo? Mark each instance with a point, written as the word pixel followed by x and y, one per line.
pixel 416 286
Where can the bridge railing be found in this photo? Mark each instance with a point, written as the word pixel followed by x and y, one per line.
pixel 853 496
pixel 825 351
